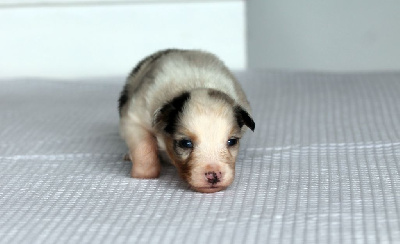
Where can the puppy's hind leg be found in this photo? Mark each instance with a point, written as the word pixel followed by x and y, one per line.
pixel 143 152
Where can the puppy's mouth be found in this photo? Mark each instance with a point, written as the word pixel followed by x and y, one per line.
pixel 211 183
pixel 209 189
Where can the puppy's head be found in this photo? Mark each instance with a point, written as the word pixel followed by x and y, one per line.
pixel 201 131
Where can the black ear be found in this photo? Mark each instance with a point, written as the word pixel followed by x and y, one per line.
pixel 166 118
pixel 243 118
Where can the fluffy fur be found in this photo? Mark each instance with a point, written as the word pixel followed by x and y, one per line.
pixel 188 104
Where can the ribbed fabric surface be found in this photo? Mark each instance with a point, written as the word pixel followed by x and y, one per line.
pixel 323 166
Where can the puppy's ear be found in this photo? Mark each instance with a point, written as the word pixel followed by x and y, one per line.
pixel 167 117
pixel 243 118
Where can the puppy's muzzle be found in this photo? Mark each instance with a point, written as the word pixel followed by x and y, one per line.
pixel 212 179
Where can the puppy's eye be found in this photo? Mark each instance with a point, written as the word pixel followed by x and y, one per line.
pixel 185 143
pixel 232 142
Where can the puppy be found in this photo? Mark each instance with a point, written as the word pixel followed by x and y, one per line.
pixel 187 104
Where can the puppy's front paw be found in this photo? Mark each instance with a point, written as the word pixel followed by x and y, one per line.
pixel 145 162
pixel 145 173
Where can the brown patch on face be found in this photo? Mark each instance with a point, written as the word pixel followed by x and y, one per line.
pixel 180 162
pixel 189 134
pixel 235 131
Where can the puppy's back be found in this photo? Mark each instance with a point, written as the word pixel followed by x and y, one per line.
pixel 164 75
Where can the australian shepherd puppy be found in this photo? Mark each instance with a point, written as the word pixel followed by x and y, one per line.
pixel 188 104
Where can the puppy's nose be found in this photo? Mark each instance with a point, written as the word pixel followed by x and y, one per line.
pixel 213 177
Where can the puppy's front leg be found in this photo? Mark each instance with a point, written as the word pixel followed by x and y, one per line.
pixel 143 153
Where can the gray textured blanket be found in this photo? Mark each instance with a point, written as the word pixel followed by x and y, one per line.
pixel 323 166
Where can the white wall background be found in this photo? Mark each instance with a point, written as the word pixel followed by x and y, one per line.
pixel 67 39
pixel 92 38
pixel 333 35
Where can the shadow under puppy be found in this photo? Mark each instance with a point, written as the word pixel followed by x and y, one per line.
pixel 188 104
